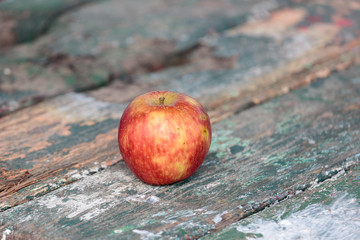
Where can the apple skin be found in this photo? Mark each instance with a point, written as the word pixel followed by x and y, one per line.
pixel 164 136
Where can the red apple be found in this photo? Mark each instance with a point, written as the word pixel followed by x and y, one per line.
pixel 164 136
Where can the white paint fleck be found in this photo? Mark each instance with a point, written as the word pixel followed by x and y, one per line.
pixel 310 140
pixel 200 210
pixel 54 185
pixel 6 232
pixel 26 219
pixel 7 71
pixel 298 192
pixel 142 198
pixel 153 199
pixel 209 212
pixel 82 205
pixel 51 201
pixel 204 211
pixel 168 221
pixel 341 220
pixel 262 10
pixel 85 206
pixel 89 197
pixel 146 234
pixel 218 217
pixel 212 185
pixel 136 198
pixel 77 176
pixel 159 214
pixel 94 170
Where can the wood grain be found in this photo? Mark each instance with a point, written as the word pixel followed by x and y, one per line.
pixel 41 144
pixel 107 40
pixel 257 157
pixel 249 64
pixel 235 46
pixel 54 134
pixel 280 80
pixel 328 209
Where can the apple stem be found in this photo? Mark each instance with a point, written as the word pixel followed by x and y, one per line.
pixel 161 100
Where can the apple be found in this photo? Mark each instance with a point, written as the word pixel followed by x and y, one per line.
pixel 164 136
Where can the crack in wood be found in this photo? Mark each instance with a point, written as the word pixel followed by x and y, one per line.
pixel 236 216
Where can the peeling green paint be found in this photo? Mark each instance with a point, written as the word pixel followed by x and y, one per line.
pixel 70 80
pixel 222 143
pixel 290 123
pixel 99 79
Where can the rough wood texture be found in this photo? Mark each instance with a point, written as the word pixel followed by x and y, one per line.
pixel 327 210
pixel 232 56
pixel 258 157
pixel 211 40
pixel 84 49
pixel 249 64
pixel 41 144
pixel 54 143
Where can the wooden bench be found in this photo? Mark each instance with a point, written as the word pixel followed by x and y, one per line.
pixel 280 80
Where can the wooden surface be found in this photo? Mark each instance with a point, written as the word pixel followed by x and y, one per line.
pixel 280 80
pixel 327 210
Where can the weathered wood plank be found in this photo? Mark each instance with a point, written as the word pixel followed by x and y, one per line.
pixel 258 156
pixel 25 21
pixel 61 61
pixel 39 145
pixel 108 40
pixel 329 210
pixel 258 60
pixel 24 159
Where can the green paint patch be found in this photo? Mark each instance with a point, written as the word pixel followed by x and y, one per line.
pixel 66 222
pixel 223 141
pixel 98 79
pixel 33 69
pixel 15 95
pixel 288 125
pixel 231 234
pixel 248 152
pixel 70 80
pixel 276 158
pixel 29 197
pixel 234 234
pixel 125 228
pixel 182 232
